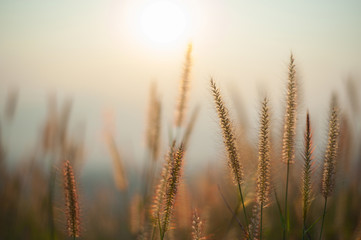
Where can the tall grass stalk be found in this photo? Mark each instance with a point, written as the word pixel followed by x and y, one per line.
pixel 229 142
pixel 153 132
pixel 171 191
pixel 289 130
pixel 153 139
pixel 329 165
pixel 306 175
pixel 184 89
pixel 323 217
pixel 71 202
pixel 161 187
pixel 263 180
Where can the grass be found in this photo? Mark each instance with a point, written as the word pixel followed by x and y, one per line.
pixel 159 201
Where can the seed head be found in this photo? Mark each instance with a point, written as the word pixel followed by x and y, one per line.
pixel 184 89
pixel 71 202
pixel 263 180
pixel 306 174
pixel 290 115
pixel 197 227
pixel 228 135
pixel 329 165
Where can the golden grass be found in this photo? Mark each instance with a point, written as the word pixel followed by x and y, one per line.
pixel 264 145
pixel 329 165
pixel 158 203
pixel 289 131
pixel 307 170
pixel 71 202
pixel 197 226
pixel 229 139
pixel 184 89
pixel 154 123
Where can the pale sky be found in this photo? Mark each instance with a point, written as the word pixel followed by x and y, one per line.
pixel 96 53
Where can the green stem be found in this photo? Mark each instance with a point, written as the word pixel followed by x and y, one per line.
pixel 286 196
pixel 153 233
pixel 234 213
pixel 304 224
pixel 244 208
pixel 279 210
pixel 260 237
pixel 312 225
pixel 161 234
pixel 303 232
pixel 323 217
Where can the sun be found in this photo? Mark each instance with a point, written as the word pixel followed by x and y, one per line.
pixel 163 21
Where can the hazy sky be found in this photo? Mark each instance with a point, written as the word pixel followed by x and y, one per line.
pixel 95 53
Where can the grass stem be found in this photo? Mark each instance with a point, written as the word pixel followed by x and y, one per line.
pixel 244 208
pixel 304 226
pixel 323 218
pixel 285 229
pixel 260 236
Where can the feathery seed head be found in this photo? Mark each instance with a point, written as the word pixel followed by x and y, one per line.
pixel 197 226
pixel 169 191
pixel 289 131
pixel 263 180
pixel 306 173
pixel 154 123
pixel 158 200
pixel 71 201
pixel 329 165
pixel 228 135
pixel 254 226
pixel 184 89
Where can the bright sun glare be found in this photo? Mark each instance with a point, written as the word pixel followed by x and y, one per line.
pixel 163 21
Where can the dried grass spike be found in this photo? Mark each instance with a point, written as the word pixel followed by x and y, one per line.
pixel 154 123
pixel 306 174
pixel 263 181
pixel 184 89
pixel 228 135
pixel 329 165
pixel 197 226
pixel 289 131
pixel 158 200
pixel 254 227
pixel 172 187
pixel 71 202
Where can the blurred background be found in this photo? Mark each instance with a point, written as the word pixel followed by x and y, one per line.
pixel 76 69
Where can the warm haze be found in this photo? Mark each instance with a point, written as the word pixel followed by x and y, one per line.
pixel 82 71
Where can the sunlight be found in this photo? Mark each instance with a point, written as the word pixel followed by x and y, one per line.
pixel 163 22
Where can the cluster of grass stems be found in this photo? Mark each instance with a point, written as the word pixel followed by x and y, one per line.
pixel 168 207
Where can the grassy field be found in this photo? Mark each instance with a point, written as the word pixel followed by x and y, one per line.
pixel 277 189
